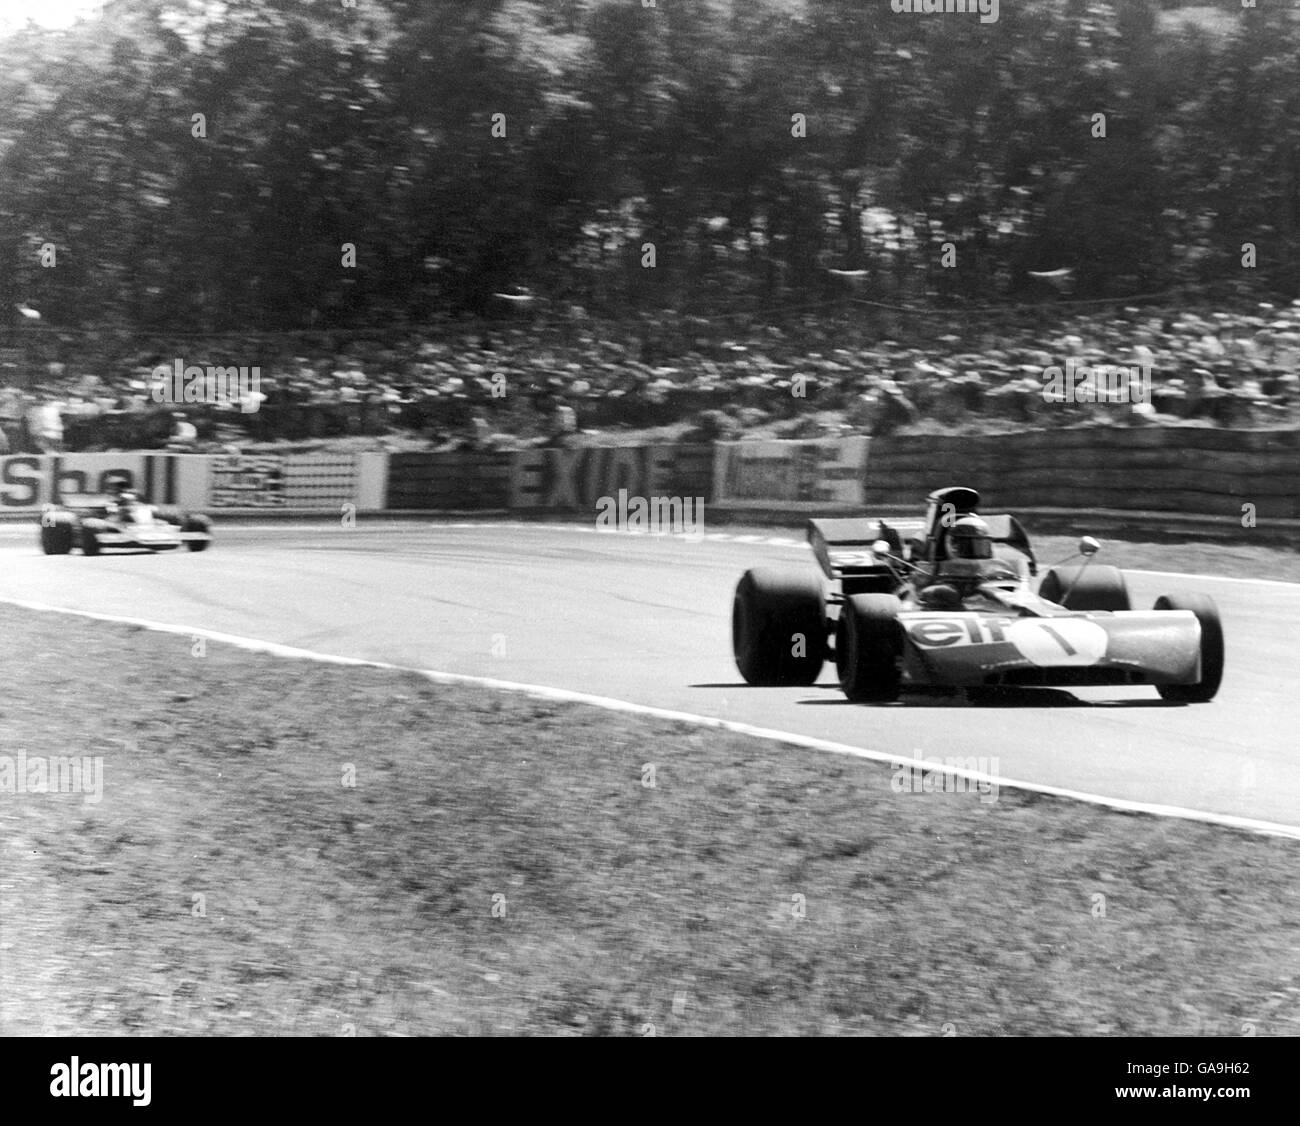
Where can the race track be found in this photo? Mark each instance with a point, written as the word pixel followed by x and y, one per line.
pixel 647 619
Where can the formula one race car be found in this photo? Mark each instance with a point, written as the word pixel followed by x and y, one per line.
pixel 95 523
pixel 953 606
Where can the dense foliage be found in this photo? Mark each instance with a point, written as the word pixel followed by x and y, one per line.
pixel 372 124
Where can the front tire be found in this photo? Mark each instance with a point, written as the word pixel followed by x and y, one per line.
pixel 1091 588
pixel 1207 613
pixel 868 646
pixel 778 626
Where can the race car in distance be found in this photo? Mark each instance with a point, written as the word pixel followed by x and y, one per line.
pixel 94 523
pixel 953 606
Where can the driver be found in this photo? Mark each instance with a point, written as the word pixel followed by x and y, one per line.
pixel 965 561
pixel 127 505
pixel 969 538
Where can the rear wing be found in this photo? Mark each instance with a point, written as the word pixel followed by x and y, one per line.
pixel 87 504
pixel 842 548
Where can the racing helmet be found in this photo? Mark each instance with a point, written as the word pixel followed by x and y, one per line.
pixel 969 538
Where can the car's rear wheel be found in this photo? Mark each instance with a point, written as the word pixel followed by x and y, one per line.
pixel 778 626
pixel 1090 587
pixel 1207 613
pixel 197 523
pixel 868 646
pixel 56 538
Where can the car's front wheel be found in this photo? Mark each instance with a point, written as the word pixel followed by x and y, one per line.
pixel 1207 613
pixel 1086 587
pixel 868 647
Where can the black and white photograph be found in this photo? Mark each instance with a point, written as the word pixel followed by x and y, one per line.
pixel 629 519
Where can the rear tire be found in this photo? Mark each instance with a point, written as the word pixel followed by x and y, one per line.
pixel 1207 613
pixel 56 539
pixel 772 608
pixel 197 523
pixel 1096 588
pixel 868 645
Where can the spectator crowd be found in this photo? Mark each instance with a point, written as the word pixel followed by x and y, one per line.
pixel 500 384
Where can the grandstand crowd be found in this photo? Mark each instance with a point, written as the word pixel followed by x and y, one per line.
pixel 572 378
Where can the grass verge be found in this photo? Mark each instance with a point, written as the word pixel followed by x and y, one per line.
pixel 500 866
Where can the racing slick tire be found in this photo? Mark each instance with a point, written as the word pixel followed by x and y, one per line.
pixel 87 538
pixel 56 538
pixel 771 607
pixel 1207 613
pixel 1097 588
pixel 197 523
pixel 168 514
pixel 868 644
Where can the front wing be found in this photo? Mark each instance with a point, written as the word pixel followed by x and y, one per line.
pixel 1125 647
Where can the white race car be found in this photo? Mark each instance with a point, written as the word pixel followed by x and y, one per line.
pixel 94 523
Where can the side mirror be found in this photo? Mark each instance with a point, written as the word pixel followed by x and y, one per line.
pixel 880 547
pixel 1089 546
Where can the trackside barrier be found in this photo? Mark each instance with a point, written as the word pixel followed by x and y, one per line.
pixel 448 481
pixel 29 481
pixel 1194 470
pixel 1192 475
pixel 574 480
pixel 273 481
pixel 234 483
pixel 799 476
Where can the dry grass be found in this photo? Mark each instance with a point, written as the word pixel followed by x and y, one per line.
pixel 328 908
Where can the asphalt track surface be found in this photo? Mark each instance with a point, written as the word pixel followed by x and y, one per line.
pixel 646 619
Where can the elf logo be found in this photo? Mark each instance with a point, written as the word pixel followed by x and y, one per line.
pixel 939 633
pixel 1046 642
pixel 101 1080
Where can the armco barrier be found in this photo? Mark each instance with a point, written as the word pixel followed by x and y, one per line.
pixel 236 483
pixel 806 476
pixel 574 480
pixel 28 481
pixel 1201 471
pixel 297 482
pixel 448 481
pixel 1205 474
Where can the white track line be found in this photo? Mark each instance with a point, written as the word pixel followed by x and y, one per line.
pixel 545 692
